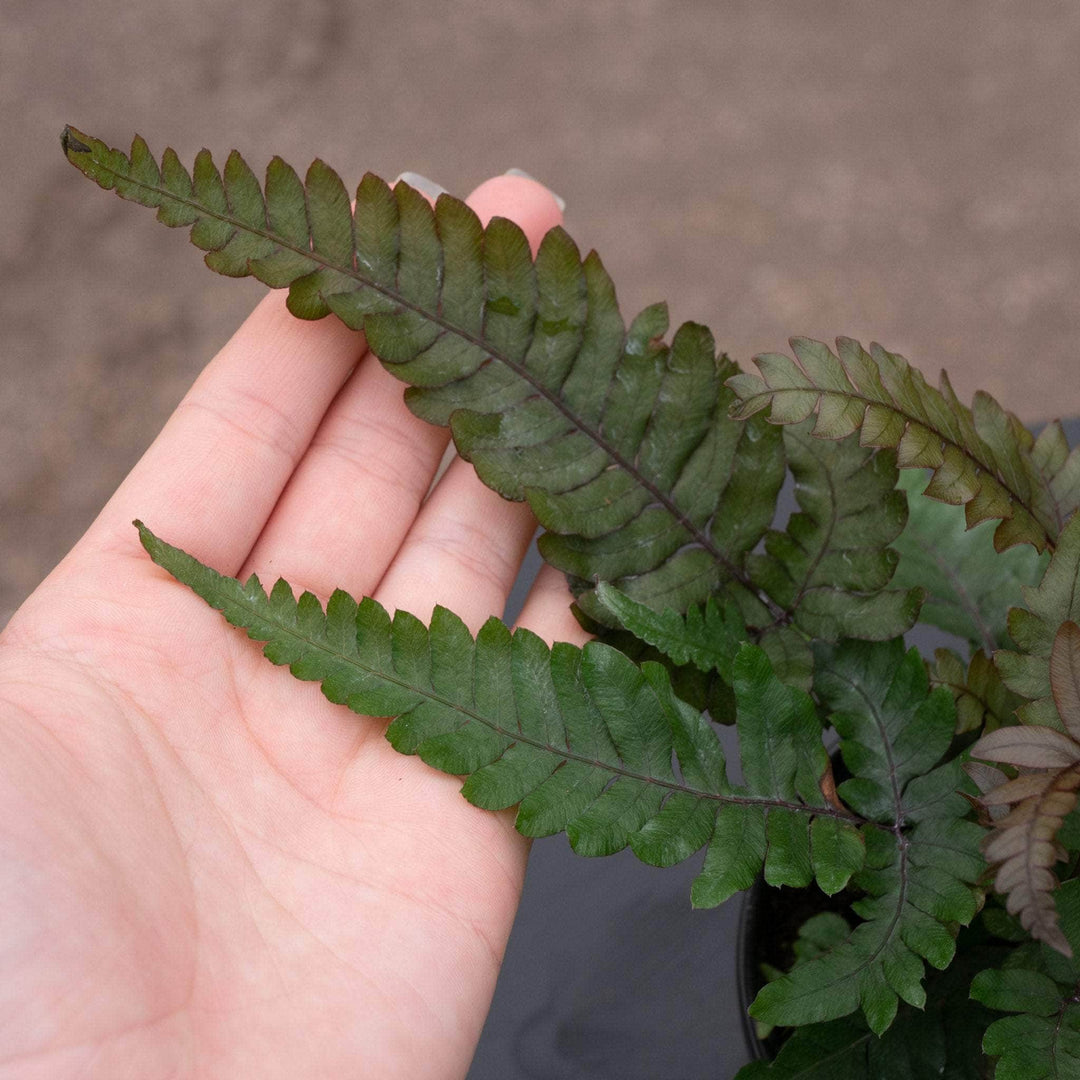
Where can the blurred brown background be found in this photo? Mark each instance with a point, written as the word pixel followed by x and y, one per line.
pixel 907 173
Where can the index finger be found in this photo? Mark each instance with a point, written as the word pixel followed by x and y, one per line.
pixel 211 477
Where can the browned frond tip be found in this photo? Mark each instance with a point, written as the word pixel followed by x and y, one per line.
pixel 827 783
pixel 71 144
pixel 1058 941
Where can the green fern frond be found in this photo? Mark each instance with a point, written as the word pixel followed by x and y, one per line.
pixel 805 836
pixel 584 741
pixel 1034 628
pixel 982 458
pixel 943 1039
pixel 826 573
pixel 846 1049
pixel 620 442
pixel 983 702
pixel 580 739
pixel 1057 469
pixel 1039 987
pixel 970 586
pixel 706 636
pixel 920 869
pixel 828 570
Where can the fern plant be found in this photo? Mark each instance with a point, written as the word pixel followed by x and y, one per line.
pixel 654 468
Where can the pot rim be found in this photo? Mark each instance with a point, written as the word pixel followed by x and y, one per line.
pixel 744 963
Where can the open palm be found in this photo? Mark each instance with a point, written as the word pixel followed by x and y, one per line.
pixel 207 869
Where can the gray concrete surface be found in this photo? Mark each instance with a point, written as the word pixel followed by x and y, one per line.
pixel 908 173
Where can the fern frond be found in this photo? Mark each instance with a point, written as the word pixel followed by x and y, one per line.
pixel 983 702
pixel 582 740
pixel 943 1039
pixel 709 635
pixel 585 741
pixel 1058 470
pixel 982 458
pixel 826 573
pixel 1024 845
pixel 847 1049
pixel 620 442
pixel 706 636
pixel 782 752
pixel 1035 627
pixel 970 586
pixel 1042 1038
pixel 920 869
pixel 828 570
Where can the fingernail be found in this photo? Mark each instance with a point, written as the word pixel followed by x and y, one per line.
pixel 422 184
pixel 560 202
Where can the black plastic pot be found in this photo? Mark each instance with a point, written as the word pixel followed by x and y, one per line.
pixel 746 964
pixel 610 974
pixel 769 923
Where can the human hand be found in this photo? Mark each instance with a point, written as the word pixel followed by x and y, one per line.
pixel 207 869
